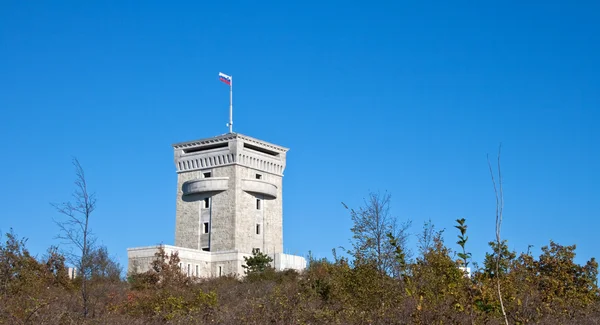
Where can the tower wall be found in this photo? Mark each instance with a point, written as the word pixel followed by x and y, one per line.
pixel 229 201
pixel 191 212
pixel 266 214
pixel 229 195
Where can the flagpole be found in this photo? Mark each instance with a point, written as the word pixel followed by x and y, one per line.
pixel 231 105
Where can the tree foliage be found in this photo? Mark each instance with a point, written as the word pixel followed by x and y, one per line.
pixel 259 262
pixel 462 242
pixel 164 272
pixel 103 266
pixel 377 236
pixel 547 289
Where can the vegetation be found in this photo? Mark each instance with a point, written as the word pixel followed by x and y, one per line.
pixel 75 231
pixel 377 283
pixel 548 289
pixel 378 237
pixel 257 264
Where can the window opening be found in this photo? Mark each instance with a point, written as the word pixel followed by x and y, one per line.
pixel 258 204
pixel 258 176
pixel 258 229
pixel 261 150
pixel 205 228
pixel 206 203
pixel 207 174
pixel 204 148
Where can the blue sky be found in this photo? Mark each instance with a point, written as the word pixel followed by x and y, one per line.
pixel 407 97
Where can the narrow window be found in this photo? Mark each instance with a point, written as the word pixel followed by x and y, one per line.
pixel 220 270
pixel 189 270
pixel 258 204
pixel 258 176
pixel 181 266
pixel 197 274
pixel 205 228
pixel 206 203
pixel 258 229
pixel 207 174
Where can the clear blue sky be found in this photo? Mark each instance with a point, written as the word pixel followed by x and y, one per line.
pixel 407 97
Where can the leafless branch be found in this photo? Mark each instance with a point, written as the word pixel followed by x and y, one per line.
pixel 372 225
pixel 75 230
pixel 499 192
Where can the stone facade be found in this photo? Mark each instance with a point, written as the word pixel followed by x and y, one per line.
pixel 229 201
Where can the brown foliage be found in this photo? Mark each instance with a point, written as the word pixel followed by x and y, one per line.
pixel 550 289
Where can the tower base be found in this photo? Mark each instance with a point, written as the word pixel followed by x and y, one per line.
pixel 203 264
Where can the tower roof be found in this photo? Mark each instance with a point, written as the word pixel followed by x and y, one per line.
pixel 227 137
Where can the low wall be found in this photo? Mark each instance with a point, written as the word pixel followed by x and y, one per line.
pixel 199 263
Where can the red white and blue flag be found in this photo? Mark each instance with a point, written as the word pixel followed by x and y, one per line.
pixel 225 78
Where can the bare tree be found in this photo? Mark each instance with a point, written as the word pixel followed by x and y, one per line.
pixel 102 266
pixel 499 192
pixel 373 227
pixel 425 238
pixel 75 230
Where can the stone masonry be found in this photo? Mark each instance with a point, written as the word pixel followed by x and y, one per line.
pixel 229 202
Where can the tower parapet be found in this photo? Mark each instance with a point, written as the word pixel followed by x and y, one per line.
pixel 228 149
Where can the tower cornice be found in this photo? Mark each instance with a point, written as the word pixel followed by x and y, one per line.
pixel 230 149
pixel 227 137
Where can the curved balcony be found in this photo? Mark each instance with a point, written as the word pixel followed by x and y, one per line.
pixel 260 187
pixel 212 184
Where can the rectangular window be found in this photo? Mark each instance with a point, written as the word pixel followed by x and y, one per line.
pixel 197 274
pixel 206 249
pixel 205 228
pixel 258 176
pixel 258 204
pixel 220 270
pixel 258 229
pixel 206 203
pixel 189 270
pixel 207 174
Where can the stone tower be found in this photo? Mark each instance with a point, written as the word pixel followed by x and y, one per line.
pixel 229 202
pixel 229 194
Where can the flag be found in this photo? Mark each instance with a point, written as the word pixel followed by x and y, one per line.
pixel 225 78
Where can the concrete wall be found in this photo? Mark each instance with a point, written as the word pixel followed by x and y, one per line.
pixel 208 264
pixel 288 262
